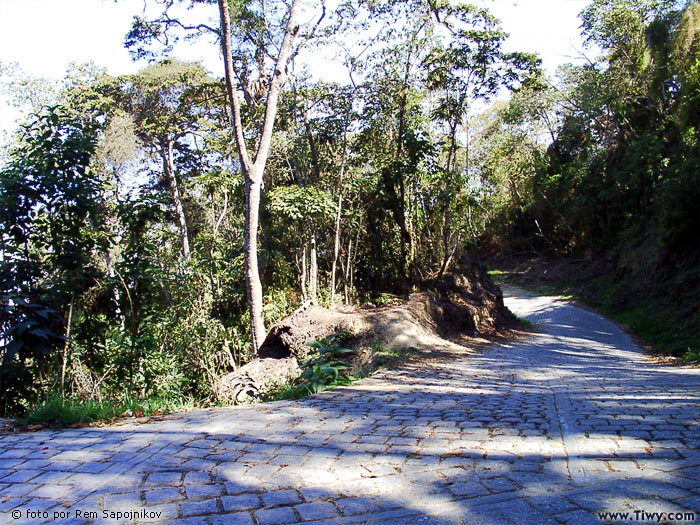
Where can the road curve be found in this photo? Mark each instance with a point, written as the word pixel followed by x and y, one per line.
pixel 557 427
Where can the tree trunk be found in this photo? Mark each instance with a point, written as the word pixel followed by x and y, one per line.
pixel 302 276
pixel 66 346
pixel 313 268
pixel 253 189
pixel 346 271
pixel 253 171
pixel 447 228
pixel 169 171
pixel 336 245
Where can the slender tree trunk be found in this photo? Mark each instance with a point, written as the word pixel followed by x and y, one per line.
pixel 336 245
pixel 216 286
pixel 169 171
pixel 253 170
pixel 302 277
pixel 346 270
pixel 252 273
pixel 447 228
pixel 405 236
pixel 313 268
pixel 66 346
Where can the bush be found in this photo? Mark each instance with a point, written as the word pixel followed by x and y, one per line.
pixel 325 369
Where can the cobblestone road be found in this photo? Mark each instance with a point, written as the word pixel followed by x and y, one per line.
pixel 553 428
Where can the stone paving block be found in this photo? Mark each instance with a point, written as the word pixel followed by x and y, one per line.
pixel 281 497
pixel 354 506
pixel 122 501
pixel 197 478
pixel 17 490
pixel 162 495
pixel 275 516
pixel 316 510
pixel 197 508
pixel 241 502
pixel 201 465
pixel 497 485
pixel 317 493
pixel 164 478
pixel 203 491
pixel 9 503
pixel 13 453
pixel 20 476
pixel 52 491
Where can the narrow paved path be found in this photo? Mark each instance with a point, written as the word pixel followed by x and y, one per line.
pixel 553 428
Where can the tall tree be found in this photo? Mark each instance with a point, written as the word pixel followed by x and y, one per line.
pixel 167 102
pixel 254 167
pixel 258 41
pixel 469 65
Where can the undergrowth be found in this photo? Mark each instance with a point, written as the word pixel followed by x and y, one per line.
pixel 62 412
pixel 327 367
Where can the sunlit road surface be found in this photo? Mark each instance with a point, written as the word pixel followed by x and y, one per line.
pixel 557 427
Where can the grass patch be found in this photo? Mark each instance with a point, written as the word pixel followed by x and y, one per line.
pixel 63 412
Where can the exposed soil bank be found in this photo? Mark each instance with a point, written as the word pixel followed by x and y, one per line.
pixel 462 304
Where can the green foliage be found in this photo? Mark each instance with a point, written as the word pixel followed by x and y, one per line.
pixel 322 371
pixel 301 202
pixel 50 215
pixel 60 411
pixel 691 356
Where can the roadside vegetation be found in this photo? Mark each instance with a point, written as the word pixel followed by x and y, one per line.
pixel 656 319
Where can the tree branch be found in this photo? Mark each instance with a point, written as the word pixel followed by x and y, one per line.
pixel 232 93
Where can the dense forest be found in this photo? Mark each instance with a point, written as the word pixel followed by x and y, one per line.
pixel 155 225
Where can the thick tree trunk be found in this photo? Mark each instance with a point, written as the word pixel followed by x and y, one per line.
pixel 169 171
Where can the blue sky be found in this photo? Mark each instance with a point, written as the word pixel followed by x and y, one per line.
pixel 44 36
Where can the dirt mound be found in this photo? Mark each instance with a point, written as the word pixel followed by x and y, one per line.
pixel 462 302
